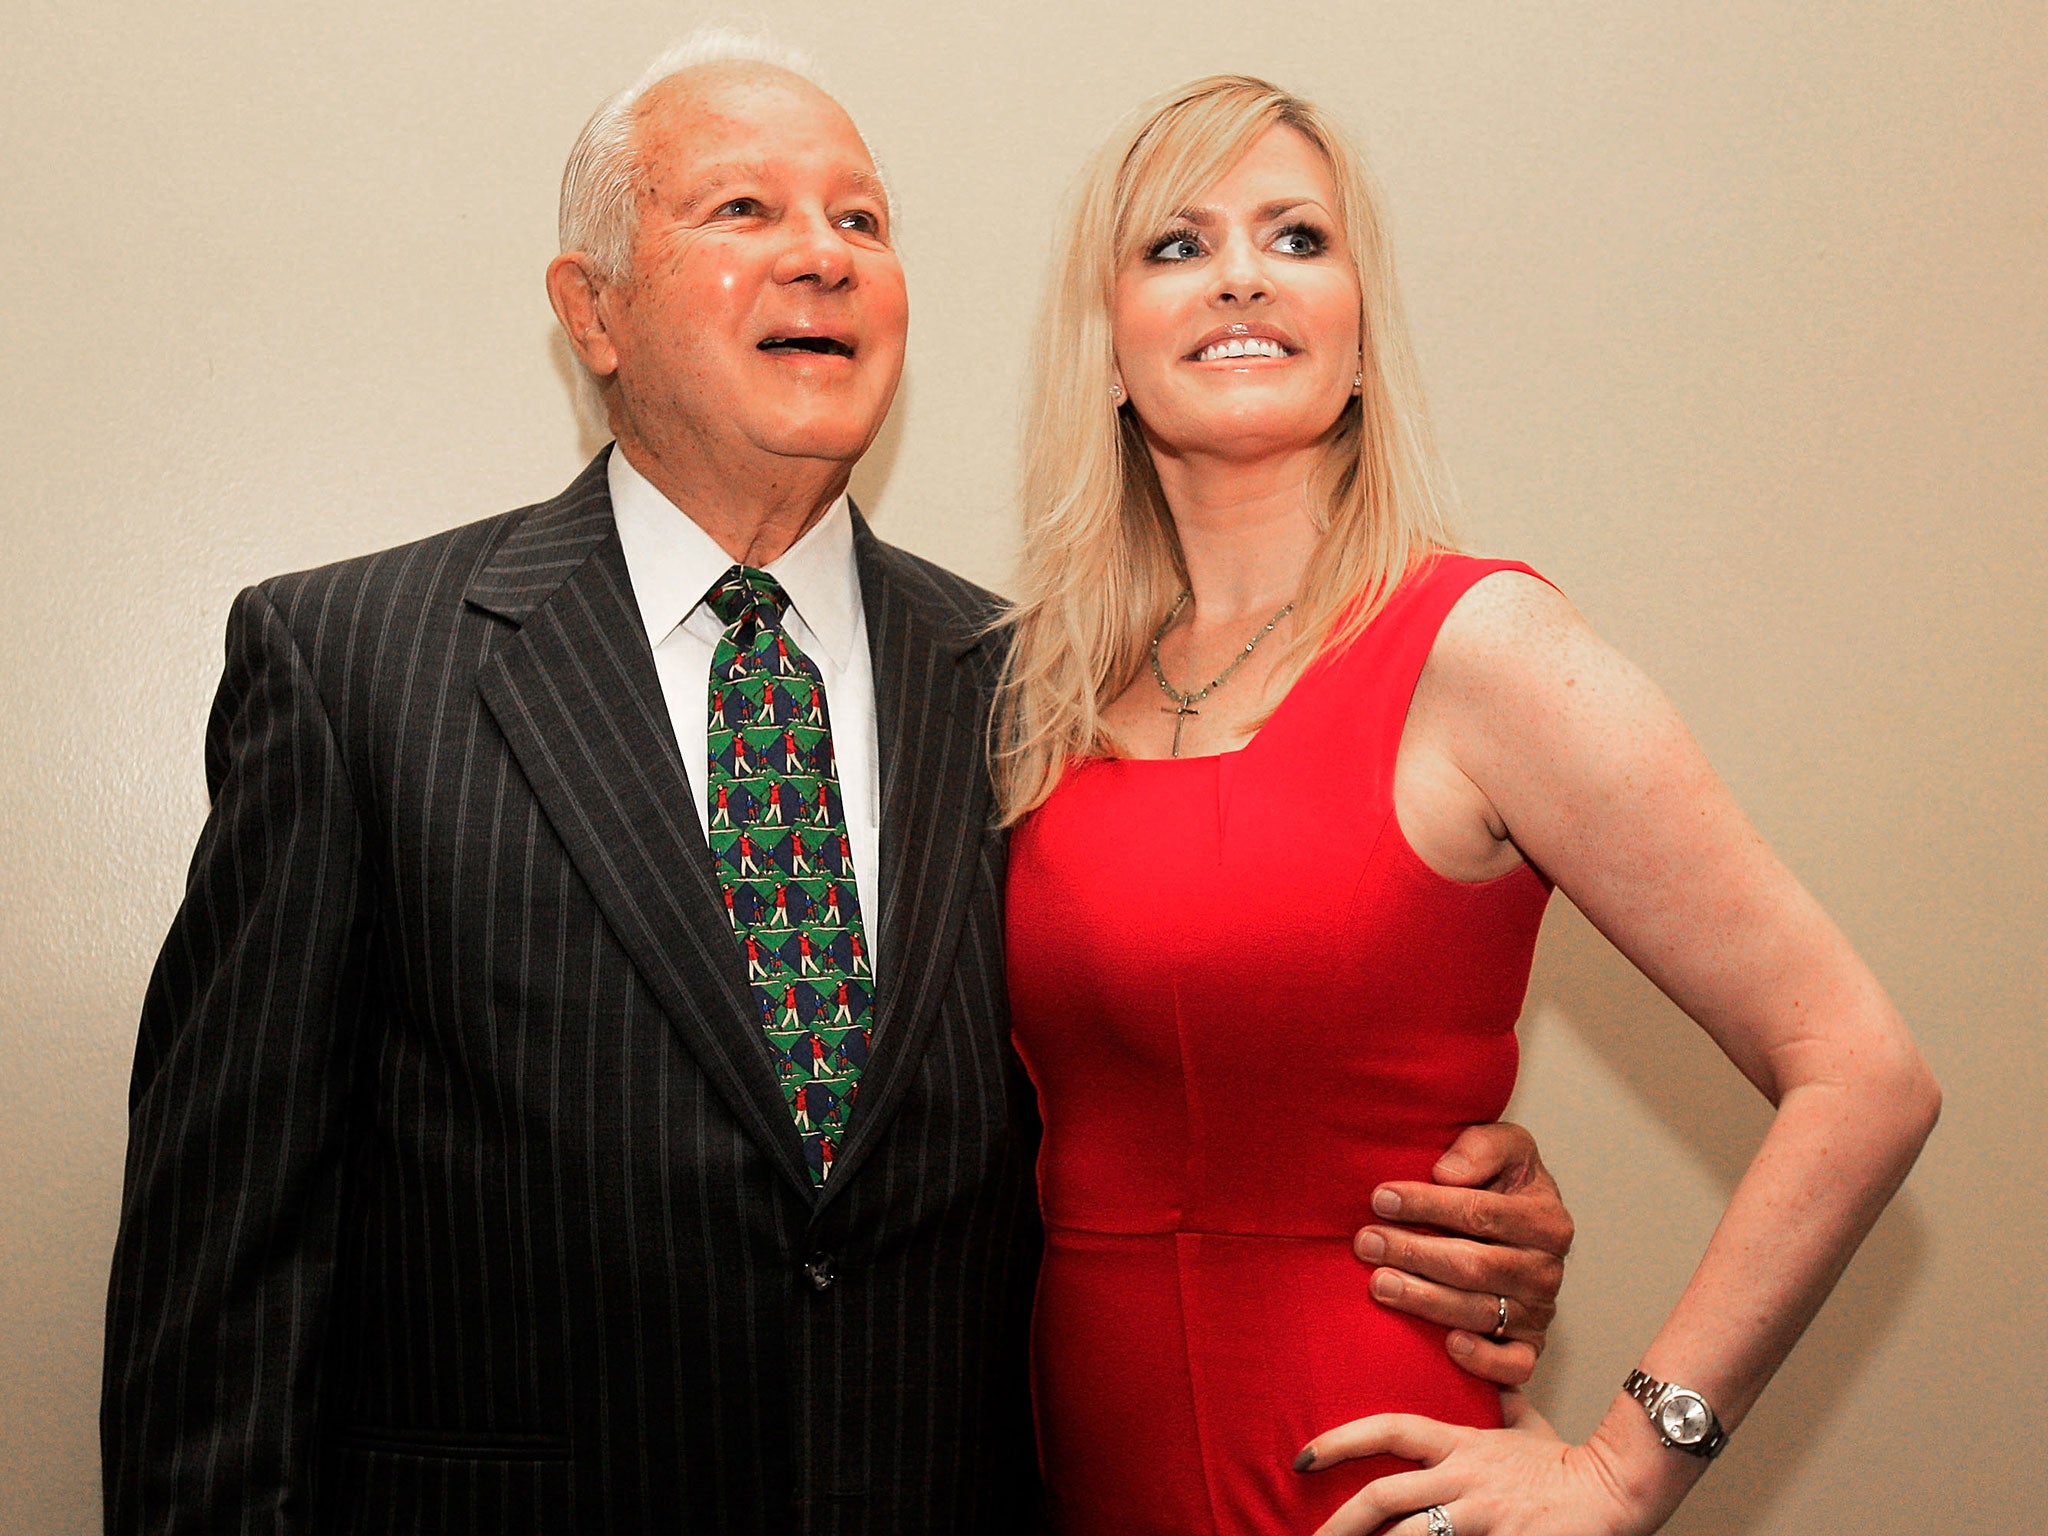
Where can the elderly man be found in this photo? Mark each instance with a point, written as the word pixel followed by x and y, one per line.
pixel 575 1094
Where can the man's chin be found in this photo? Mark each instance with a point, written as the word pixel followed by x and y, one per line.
pixel 836 441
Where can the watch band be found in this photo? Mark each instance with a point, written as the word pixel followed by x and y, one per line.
pixel 1654 1395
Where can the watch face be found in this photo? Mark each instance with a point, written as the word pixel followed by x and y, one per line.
pixel 1683 1419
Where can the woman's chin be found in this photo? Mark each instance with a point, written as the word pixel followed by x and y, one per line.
pixel 1248 431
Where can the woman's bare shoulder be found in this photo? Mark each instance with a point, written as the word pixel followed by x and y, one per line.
pixel 1510 628
pixel 1518 673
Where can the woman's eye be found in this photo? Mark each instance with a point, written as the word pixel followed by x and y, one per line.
pixel 1179 246
pixel 1299 240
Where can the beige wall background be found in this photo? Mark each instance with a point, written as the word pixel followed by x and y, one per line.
pixel 1735 321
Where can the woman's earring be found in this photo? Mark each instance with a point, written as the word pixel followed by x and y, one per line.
pixel 1116 394
pixel 1358 382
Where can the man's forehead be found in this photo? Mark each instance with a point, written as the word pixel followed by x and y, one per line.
pixel 736 99
pixel 711 126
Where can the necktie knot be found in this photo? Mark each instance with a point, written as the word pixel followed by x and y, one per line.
pixel 744 589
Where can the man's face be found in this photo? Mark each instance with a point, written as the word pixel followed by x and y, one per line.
pixel 763 310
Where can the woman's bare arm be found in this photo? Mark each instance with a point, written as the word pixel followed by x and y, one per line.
pixel 1588 769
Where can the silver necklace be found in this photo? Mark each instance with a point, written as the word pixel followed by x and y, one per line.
pixel 1184 703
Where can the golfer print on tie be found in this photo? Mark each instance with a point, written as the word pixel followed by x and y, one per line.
pixel 778 841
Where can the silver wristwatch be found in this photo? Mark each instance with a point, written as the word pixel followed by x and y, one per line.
pixel 1680 1415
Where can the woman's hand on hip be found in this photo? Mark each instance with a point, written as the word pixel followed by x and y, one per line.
pixel 1519 1481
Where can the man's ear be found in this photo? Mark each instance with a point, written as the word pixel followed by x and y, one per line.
pixel 573 290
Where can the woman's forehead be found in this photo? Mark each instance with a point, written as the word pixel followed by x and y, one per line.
pixel 1276 167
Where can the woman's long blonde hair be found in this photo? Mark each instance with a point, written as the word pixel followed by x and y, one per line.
pixel 1101 562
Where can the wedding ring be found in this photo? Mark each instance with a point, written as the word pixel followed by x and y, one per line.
pixel 1500 1330
pixel 1440 1521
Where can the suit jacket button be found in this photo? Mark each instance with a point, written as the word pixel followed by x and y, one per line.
pixel 818 1268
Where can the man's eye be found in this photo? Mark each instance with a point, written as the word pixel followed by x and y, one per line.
pixel 738 208
pixel 867 223
pixel 1181 245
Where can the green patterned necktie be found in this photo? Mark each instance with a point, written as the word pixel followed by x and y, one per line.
pixel 778 842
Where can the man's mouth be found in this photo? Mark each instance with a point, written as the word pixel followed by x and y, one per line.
pixel 826 346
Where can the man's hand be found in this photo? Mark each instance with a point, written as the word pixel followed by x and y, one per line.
pixel 1491 1187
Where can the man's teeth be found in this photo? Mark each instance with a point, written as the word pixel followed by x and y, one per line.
pixel 1241 346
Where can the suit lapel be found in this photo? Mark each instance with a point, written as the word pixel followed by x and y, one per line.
pixel 931 712
pixel 577 697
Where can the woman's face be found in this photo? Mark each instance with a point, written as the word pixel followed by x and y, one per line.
pixel 1236 327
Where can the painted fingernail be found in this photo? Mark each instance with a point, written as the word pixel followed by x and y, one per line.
pixel 1371 1247
pixel 1386 1203
pixel 1461 1344
pixel 1387 1285
pixel 1306 1459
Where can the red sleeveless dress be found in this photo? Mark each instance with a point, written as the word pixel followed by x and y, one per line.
pixel 1245 1001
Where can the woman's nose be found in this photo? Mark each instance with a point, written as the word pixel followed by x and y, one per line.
pixel 1240 274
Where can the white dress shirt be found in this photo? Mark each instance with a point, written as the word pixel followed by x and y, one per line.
pixel 674 564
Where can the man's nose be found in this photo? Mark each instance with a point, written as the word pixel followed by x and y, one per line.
pixel 814 252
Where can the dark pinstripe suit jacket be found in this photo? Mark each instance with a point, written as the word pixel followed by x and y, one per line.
pixel 460 1194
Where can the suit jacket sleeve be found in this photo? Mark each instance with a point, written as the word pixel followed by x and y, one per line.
pixel 223 1269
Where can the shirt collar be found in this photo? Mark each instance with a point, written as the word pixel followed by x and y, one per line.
pixel 673 563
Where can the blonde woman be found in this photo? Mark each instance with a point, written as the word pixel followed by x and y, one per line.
pixel 1291 783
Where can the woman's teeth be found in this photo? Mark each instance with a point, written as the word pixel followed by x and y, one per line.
pixel 1241 346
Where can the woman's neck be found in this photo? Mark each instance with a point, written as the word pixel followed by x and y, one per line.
pixel 1246 531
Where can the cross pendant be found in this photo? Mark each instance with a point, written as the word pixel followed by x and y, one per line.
pixel 1180 713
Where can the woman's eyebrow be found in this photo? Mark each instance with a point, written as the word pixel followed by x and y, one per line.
pixel 1202 218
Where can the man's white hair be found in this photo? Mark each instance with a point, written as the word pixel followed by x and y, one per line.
pixel 599 208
